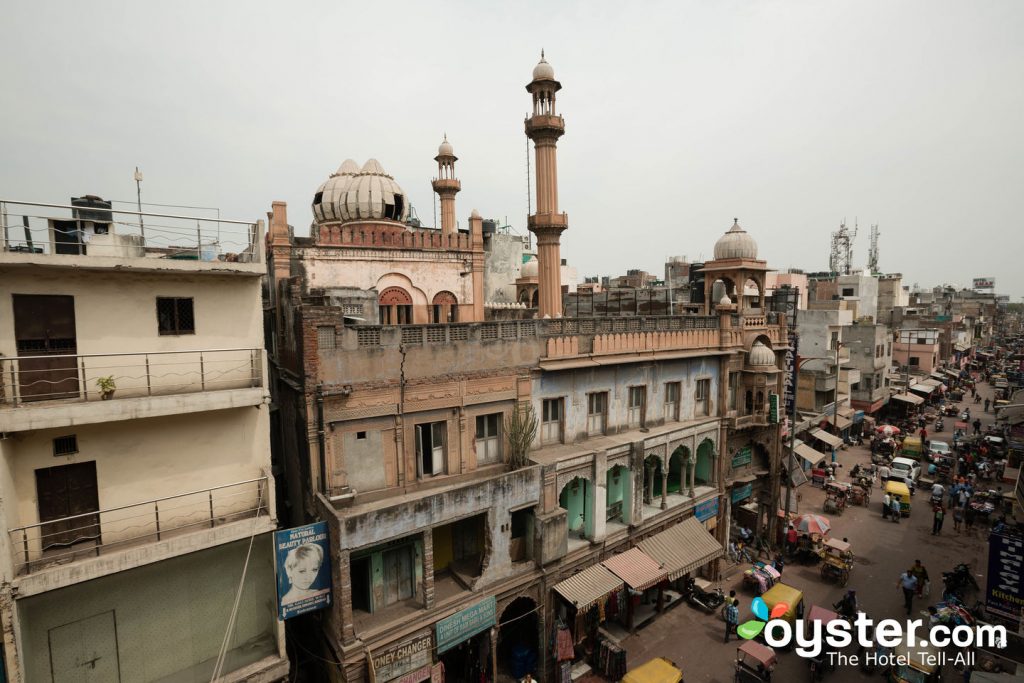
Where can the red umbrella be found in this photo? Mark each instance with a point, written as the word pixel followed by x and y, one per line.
pixel 812 524
pixel 888 430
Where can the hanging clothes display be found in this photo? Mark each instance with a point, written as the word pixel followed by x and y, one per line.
pixel 565 673
pixel 564 645
pixel 611 660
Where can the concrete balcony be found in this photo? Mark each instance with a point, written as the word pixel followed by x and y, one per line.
pixel 752 420
pixel 42 392
pixel 60 552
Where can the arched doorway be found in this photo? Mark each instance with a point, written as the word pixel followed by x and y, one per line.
pixel 535 301
pixel 654 479
pixel 704 471
pixel 576 498
pixel 394 306
pixel 620 499
pixel 444 308
pixel 677 470
pixel 518 630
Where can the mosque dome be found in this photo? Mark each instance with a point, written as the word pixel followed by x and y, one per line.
pixel 736 244
pixel 760 355
pixel 543 71
pixel 445 149
pixel 353 193
pixel 529 269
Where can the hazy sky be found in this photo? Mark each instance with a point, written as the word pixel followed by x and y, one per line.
pixel 679 116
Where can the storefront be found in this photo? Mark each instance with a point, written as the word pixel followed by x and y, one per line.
pixel 465 642
pixel 585 601
pixel 827 442
pixel 410 660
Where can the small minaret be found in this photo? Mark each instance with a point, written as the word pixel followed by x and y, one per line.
pixel 446 185
pixel 544 128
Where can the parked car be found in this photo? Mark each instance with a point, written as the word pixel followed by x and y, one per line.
pixel 939 449
pixel 906 468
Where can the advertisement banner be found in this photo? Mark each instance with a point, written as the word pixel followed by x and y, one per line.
pixel 742 492
pixel 984 283
pixel 303 566
pixel 466 624
pixel 409 655
pixel 706 510
pixel 1004 593
pixel 789 379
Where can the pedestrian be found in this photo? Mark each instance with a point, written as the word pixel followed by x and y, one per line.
pixel 939 515
pixel 883 474
pixel 894 509
pixel 886 504
pixel 958 518
pixel 791 538
pixel 969 519
pixel 987 403
pixel 908 583
pixel 977 426
pixel 921 574
pixel 924 435
pixel 964 495
pixel 732 618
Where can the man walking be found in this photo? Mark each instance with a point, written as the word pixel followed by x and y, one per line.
pixel 937 519
pixel 987 403
pixel 908 582
pixel 895 510
pixel 791 538
pixel 886 503
pixel 921 574
pixel 732 618
pixel 977 426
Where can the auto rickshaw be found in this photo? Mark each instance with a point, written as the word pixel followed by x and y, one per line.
pixel 900 490
pixel 835 497
pixel 836 561
pixel 754 663
pixel 781 592
pixel 657 670
pixel 920 664
pixel 912 448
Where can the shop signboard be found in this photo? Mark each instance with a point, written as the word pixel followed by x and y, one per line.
pixel 465 624
pixel 412 654
pixel 743 457
pixel 790 377
pixel 984 283
pixel 707 509
pixel 1004 593
pixel 742 492
pixel 303 567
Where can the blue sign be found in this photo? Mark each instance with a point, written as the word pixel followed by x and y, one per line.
pixel 707 509
pixel 1005 591
pixel 742 492
pixel 303 564
pixel 465 624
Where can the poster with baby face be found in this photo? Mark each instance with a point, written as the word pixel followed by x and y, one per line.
pixel 303 564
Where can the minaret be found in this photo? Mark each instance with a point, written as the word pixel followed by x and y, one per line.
pixel 544 128
pixel 446 185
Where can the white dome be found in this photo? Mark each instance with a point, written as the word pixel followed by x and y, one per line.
pixel 760 355
pixel 445 149
pixel 353 194
pixel 543 71
pixel 736 244
pixel 529 269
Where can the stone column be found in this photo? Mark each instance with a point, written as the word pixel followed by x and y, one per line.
pixel 600 503
pixel 476 233
pixel 428 568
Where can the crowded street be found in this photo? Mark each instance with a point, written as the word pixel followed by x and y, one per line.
pixel 883 550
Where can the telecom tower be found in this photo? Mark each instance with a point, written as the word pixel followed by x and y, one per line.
pixel 873 251
pixel 842 249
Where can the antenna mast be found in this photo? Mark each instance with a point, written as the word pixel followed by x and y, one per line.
pixel 841 252
pixel 873 250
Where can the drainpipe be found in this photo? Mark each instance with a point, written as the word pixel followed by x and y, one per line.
pixel 321 439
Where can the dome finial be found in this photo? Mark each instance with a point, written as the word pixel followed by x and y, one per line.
pixel 542 54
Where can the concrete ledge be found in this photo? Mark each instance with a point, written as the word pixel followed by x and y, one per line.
pixel 132 264
pixel 56 414
pixel 264 671
pixel 114 561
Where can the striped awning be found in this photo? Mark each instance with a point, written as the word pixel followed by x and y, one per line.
pixel 682 548
pixel 638 570
pixel 588 586
pixel 822 435
pixel 908 398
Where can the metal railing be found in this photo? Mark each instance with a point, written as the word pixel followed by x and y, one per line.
pixel 30 378
pixel 42 228
pixel 63 540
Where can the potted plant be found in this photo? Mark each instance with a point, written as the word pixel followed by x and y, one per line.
pixel 106 386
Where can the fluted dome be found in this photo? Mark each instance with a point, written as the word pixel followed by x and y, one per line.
pixel 760 355
pixel 736 244
pixel 543 71
pixel 353 193
pixel 529 269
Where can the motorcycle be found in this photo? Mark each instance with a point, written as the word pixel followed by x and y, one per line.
pixel 959 580
pixel 939 425
pixel 708 601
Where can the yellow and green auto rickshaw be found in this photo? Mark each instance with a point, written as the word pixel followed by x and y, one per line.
pixel 900 490
pixel 915 665
pixel 657 670
pixel 912 448
pixel 793 597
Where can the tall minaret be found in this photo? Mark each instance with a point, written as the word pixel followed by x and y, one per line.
pixel 544 128
pixel 446 185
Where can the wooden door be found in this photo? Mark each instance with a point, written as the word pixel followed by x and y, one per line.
pixel 85 651
pixel 44 327
pixel 65 491
pixel 398 575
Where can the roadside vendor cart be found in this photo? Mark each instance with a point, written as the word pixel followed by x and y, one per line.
pixel 836 561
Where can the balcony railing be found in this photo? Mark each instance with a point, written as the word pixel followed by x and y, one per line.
pixel 92 534
pixel 32 378
pixel 58 229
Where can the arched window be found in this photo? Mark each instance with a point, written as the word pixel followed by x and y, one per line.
pixel 445 308
pixel 759 404
pixel 395 307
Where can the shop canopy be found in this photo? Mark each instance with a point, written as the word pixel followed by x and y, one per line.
pixel 908 398
pixel 807 453
pixel 952 373
pixel 822 435
pixel 847 411
pixel 682 548
pixel 922 388
pixel 839 421
pixel 932 382
pixel 588 586
pixel 938 376
pixel 638 570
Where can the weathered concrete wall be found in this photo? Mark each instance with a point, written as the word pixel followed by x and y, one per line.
pixel 503 262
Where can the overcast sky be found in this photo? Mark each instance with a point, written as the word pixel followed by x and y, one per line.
pixel 679 116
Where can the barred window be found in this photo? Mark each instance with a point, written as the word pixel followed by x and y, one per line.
pixel 175 315
pixel 65 445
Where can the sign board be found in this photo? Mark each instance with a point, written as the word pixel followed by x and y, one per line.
pixel 743 457
pixel 742 492
pixel 465 624
pixel 1004 594
pixel 773 409
pixel 409 655
pixel 790 370
pixel 707 509
pixel 303 566
pixel 984 283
